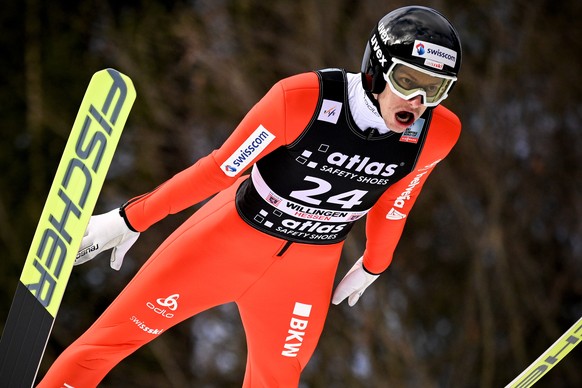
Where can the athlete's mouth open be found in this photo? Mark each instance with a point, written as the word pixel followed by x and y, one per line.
pixel 404 117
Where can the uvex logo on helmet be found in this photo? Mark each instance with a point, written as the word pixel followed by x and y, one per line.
pixel 378 51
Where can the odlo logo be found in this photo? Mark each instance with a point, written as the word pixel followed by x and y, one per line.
pixel 171 303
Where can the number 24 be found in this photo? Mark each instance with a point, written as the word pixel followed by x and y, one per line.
pixel 348 199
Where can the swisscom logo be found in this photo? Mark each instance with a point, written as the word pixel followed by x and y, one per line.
pixel 247 152
pixel 434 52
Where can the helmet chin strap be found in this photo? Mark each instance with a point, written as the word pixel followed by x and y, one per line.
pixel 374 100
pixel 374 84
pixel 370 84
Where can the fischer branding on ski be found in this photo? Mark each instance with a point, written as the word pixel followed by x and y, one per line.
pixel 69 205
pixel 549 358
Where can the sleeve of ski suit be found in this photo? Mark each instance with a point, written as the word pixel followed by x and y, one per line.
pixel 385 221
pixel 284 111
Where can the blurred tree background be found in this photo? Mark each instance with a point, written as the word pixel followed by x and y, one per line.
pixel 488 273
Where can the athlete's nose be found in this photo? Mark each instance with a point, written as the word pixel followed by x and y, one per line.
pixel 415 102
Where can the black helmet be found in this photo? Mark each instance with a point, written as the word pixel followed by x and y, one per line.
pixel 418 36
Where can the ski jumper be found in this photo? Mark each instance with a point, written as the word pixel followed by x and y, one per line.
pixel 270 240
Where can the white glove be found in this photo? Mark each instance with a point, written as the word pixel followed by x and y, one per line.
pixel 106 231
pixel 353 284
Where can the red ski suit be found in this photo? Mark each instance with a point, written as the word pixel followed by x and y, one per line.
pixel 282 291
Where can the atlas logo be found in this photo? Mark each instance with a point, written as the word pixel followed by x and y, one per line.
pixel 312 227
pixel 357 163
pixel 361 164
pixel 171 302
pixel 297 327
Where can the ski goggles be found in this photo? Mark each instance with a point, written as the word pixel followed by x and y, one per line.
pixel 408 81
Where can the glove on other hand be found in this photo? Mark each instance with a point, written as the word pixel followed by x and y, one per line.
pixel 106 231
pixel 353 284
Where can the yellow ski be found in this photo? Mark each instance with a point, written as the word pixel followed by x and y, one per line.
pixel 549 358
pixel 69 205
